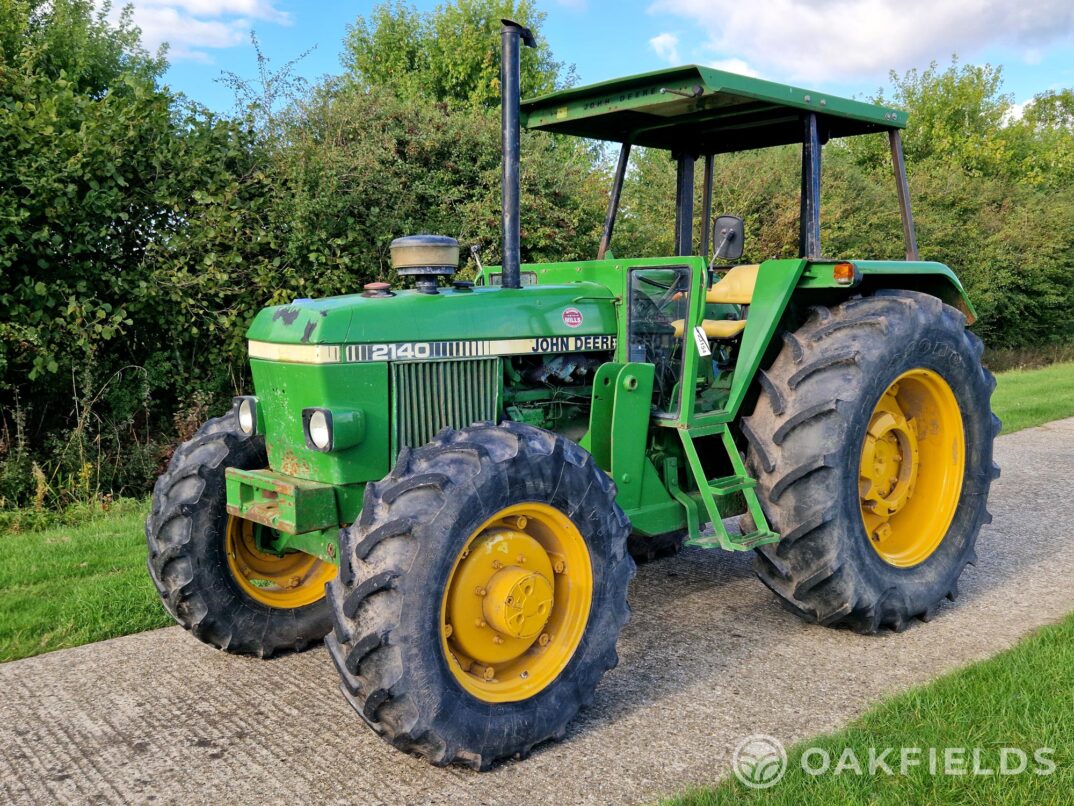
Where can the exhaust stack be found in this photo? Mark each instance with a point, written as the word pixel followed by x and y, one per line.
pixel 510 81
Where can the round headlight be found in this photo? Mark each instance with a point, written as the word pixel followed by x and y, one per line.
pixel 247 417
pixel 320 433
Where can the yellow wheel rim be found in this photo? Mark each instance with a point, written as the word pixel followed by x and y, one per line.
pixel 913 460
pixel 294 580
pixel 516 603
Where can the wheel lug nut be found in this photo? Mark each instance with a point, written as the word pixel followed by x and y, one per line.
pixel 497 640
pixel 544 639
pixel 559 566
pixel 480 591
pixel 480 623
pixel 497 564
pixel 489 673
pixel 448 630
pixel 882 532
pixel 521 521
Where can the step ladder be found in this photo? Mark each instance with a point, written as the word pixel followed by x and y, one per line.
pixel 717 535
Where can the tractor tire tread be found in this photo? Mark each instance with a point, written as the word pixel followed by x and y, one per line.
pixel 810 394
pixel 401 517
pixel 184 542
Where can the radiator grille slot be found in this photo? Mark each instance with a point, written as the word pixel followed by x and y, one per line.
pixel 430 395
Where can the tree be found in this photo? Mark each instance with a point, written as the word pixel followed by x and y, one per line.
pixel 81 122
pixel 451 54
pixel 102 170
pixel 956 115
pixel 1043 140
pixel 358 169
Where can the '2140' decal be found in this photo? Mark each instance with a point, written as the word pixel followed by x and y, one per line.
pixel 432 350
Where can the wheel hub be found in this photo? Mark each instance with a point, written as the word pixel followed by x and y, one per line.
pixel 290 580
pixel 912 466
pixel 516 603
pixel 890 458
pixel 496 610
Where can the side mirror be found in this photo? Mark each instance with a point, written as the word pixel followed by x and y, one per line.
pixel 728 234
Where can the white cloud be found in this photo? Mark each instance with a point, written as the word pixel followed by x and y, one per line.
pixel 1016 112
pixel 854 39
pixel 256 9
pixel 666 46
pixel 192 27
pixel 1033 56
pixel 734 66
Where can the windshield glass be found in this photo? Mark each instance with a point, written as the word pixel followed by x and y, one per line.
pixel 659 302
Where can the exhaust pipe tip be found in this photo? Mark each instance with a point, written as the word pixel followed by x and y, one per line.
pixel 524 33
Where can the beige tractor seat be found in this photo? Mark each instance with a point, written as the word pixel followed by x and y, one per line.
pixel 735 287
pixel 714 328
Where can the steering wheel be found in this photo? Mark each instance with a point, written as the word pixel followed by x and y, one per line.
pixel 656 337
pixel 670 291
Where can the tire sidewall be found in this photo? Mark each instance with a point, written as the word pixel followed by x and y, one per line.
pixel 460 717
pixel 939 349
pixel 209 521
pixel 211 603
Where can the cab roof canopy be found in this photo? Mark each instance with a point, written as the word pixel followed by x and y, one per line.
pixel 702 110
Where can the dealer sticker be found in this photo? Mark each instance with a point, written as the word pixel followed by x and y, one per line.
pixel 702 341
pixel 572 317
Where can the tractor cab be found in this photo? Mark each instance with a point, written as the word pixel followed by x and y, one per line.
pixel 702 319
pixel 698 113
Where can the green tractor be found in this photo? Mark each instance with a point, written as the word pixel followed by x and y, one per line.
pixel 446 484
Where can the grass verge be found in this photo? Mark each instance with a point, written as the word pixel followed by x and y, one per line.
pixel 1025 398
pixel 1018 699
pixel 71 585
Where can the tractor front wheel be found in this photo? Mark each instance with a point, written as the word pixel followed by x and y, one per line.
pixel 872 445
pixel 208 566
pixel 481 594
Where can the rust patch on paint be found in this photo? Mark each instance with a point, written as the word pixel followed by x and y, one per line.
pixel 291 465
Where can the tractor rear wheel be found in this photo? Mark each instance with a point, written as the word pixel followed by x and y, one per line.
pixel 872 445
pixel 480 594
pixel 207 565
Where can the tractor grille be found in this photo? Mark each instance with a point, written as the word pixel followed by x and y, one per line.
pixel 429 395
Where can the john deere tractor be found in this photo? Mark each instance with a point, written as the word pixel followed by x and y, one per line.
pixel 446 482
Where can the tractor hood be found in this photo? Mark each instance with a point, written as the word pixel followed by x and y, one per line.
pixel 453 316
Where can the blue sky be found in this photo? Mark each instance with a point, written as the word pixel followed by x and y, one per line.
pixel 840 46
